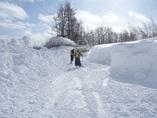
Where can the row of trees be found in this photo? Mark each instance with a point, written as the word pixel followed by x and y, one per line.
pixel 67 25
pixel 104 35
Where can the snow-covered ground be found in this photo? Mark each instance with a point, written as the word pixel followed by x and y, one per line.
pixel 117 81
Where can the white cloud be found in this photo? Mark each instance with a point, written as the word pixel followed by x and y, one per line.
pixel 117 28
pixel 39 34
pixel 5 37
pixel 11 11
pixel 89 26
pixel 47 19
pixel 8 24
pixel 89 18
pixel 140 17
pixel 38 39
pixel 28 1
pixel 31 1
pixel 91 21
pixel 111 17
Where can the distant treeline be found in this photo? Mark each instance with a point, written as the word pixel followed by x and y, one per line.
pixel 67 25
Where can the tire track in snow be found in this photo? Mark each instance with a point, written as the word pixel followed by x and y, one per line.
pixel 68 101
pixel 100 79
pixel 87 91
pixel 65 104
pixel 92 89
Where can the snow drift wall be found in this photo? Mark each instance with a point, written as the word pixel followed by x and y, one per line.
pixel 100 54
pixel 135 63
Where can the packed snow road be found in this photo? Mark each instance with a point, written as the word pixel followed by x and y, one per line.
pixel 42 84
pixel 80 94
pixel 77 92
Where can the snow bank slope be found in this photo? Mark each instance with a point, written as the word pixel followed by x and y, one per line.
pixel 100 54
pixel 133 62
pixel 42 84
pixel 26 77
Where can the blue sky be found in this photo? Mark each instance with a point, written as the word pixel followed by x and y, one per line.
pixel 27 18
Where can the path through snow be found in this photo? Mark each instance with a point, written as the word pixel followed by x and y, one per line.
pixel 41 84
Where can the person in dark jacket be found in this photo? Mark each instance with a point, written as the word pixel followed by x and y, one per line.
pixel 72 54
pixel 77 58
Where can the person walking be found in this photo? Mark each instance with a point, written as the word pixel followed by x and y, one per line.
pixel 72 54
pixel 77 58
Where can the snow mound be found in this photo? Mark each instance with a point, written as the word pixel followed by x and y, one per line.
pixel 59 41
pixel 135 63
pixel 43 84
pixel 131 62
pixel 100 54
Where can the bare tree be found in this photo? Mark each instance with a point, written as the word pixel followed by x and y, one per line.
pixel 148 30
pixel 66 23
pixel 60 21
pixel 104 35
pixel 134 33
pixel 110 35
pixel 124 36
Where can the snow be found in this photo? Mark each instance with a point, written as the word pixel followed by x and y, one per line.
pixel 136 63
pixel 117 81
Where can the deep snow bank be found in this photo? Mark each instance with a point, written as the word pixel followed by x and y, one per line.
pixel 133 62
pixel 100 54
pixel 42 84
pixel 25 79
